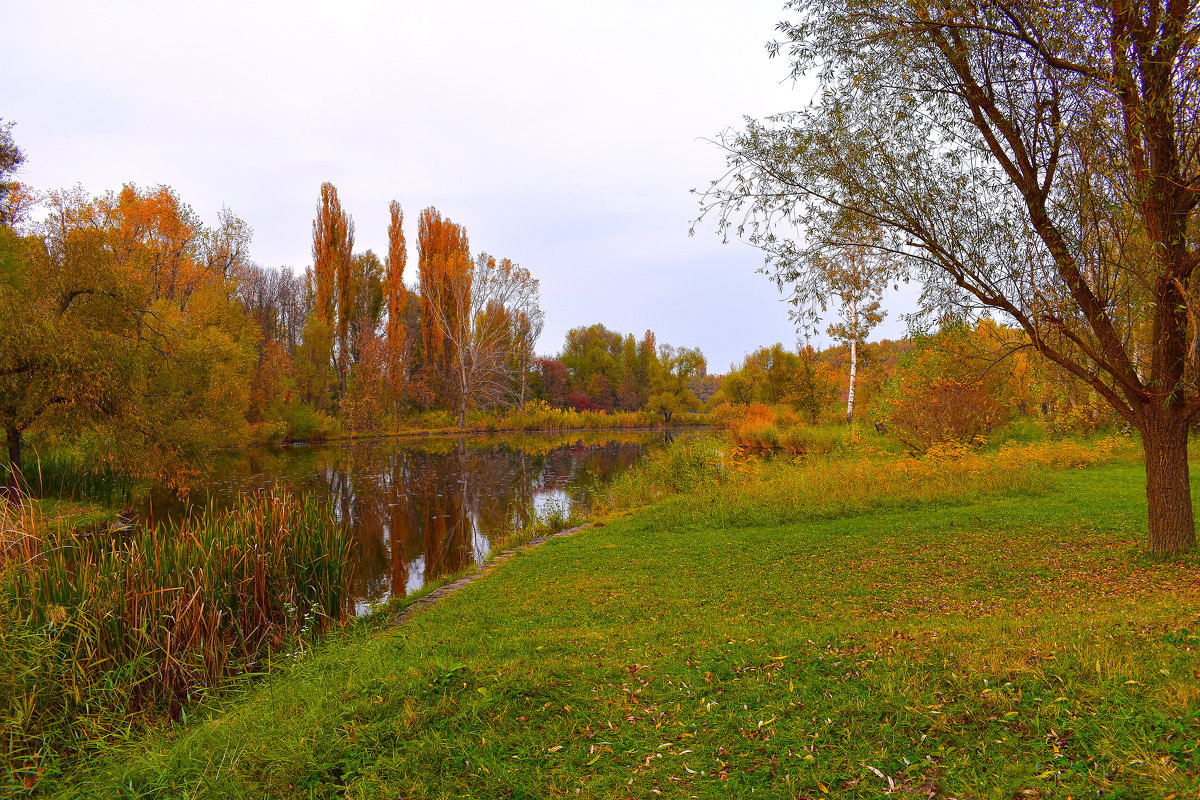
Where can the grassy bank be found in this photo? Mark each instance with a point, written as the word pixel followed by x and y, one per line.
pixel 1003 640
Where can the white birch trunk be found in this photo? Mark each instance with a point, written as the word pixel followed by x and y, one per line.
pixel 853 361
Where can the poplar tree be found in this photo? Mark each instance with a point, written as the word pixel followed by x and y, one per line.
pixel 396 297
pixel 333 249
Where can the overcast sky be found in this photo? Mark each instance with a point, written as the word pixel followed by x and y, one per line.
pixel 564 135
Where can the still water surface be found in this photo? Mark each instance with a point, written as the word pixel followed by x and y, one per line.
pixel 421 508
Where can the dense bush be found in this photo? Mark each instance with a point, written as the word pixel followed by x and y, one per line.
pixel 759 427
pixel 953 387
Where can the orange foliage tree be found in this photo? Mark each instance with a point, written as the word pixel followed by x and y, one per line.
pixel 955 385
pixel 396 297
pixel 443 261
pixel 333 250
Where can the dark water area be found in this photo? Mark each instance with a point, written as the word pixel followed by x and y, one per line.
pixel 419 509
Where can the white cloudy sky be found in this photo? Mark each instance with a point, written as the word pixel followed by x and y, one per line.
pixel 564 135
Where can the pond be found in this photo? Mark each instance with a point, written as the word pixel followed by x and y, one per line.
pixel 422 508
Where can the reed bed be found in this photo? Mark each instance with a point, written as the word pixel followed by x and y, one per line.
pixel 68 475
pixel 96 632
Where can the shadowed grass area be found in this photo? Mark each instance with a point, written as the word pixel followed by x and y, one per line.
pixel 1012 645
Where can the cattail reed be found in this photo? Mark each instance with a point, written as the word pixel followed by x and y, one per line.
pixel 148 620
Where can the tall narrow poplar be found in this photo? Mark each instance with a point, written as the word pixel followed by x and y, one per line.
pixel 396 297
pixel 333 247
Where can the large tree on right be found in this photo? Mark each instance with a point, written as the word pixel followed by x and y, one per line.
pixel 1037 158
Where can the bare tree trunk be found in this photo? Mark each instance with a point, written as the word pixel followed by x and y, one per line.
pixel 853 361
pixel 14 482
pixel 463 386
pixel 1168 485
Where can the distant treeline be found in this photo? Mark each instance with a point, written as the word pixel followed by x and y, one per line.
pixel 137 336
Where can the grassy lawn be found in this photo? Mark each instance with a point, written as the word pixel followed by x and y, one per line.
pixel 1018 645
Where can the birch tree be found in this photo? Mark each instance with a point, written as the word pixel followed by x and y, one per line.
pixel 851 265
pixel 1040 159
pixel 527 323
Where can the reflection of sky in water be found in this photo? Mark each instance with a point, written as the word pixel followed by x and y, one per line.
pixel 416 575
pixel 551 500
pixel 421 509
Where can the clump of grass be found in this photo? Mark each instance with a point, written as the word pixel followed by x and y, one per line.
pixel 758 427
pixel 691 465
pixel 96 632
pixel 555 516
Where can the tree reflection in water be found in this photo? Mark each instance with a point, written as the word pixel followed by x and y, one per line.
pixel 422 509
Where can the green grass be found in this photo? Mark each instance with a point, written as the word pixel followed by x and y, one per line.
pixel 1017 644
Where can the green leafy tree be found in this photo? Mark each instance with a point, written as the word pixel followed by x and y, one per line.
pixel 367 301
pixel 1036 158
pixel 594 357
pixel 812 387
pixel 670 394
pixel 313 368
pixel 68 333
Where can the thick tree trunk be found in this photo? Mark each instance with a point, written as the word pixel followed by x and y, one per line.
pixel 1168 487
pixel 13 479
